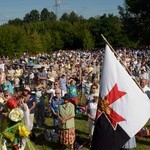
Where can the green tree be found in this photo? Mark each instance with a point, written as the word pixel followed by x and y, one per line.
pixel 52 16
pixel 12 40
pixel 57 42
pixel 64 17
pixel 88 42
pixel 136 20
pixel 16 22
pixel 27 18
pixel 33 16
pixel 47 16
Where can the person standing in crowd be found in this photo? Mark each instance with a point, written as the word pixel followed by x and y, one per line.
pixel 146 89
pixel 31 102
pixel 52 73
pixel 51 91
pixel 90 71
pixel 18 72
pixel 72 91
pixel 2 77
pixel 66 115
pixel 130 144
pixel 63 84
pixel 24 107
pixel 11 72
pixel 7 85
pixel 42 76
pixel 55 103
pixel 40 105
pixel 1 105
pixel 91 112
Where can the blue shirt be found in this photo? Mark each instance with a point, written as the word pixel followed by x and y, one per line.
pixel 56 103
pixel 30 103
pixel 72 91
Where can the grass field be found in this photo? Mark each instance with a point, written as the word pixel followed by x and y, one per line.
pixel 82 131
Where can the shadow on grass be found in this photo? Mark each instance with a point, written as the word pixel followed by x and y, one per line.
pixel 81 133
pixel 40 141
pixel 83 142
pixel 81 117
pixel 143 141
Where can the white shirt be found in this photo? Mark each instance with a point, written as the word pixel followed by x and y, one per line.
pixel 92 107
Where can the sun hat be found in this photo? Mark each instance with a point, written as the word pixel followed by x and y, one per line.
pixel 12 103
pixel 16 115
pixel 51 79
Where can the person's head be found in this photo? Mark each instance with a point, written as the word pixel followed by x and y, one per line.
pixel 93 89
pixel 66 98
pixel 18 67
pixel 58 93
pixel 143 83
pixel 1 91
pixel 95 80
pixel 95 98
pixel 63 76
pixel 42 69
pixel 72 82
pixel 51 67
pixel 7 95
pixel 27 91
pixel 56 84
pixel 20 99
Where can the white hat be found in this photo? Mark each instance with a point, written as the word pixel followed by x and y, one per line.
pixel 51 79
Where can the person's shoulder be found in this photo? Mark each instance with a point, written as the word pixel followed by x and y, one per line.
pixel 70 104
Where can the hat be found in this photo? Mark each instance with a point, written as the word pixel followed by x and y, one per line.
pixel 51 79
pixel 12 103
pixel 72 80
pixel 95 95
pixel 16 115
pixel 27 89
pixel 66 97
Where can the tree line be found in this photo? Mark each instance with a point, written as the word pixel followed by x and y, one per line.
pixel 43 32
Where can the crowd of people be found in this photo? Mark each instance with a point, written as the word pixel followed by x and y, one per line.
pixel 66 79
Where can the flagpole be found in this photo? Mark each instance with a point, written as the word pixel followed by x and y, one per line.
pixel 121 61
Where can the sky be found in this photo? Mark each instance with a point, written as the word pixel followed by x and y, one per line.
pixel 11 9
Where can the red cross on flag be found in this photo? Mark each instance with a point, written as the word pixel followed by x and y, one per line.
pixel 124 108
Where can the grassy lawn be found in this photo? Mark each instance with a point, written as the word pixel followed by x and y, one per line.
pixel 82 131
